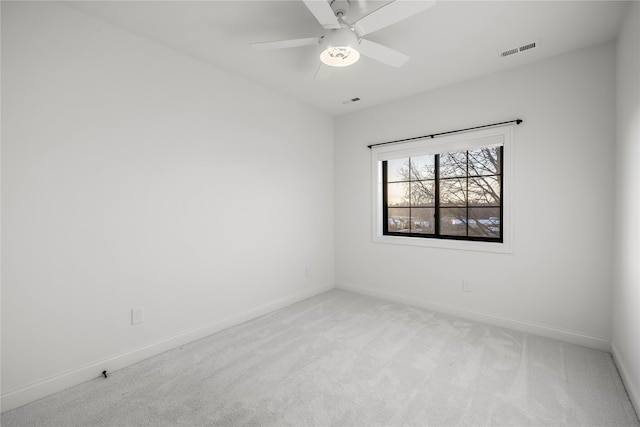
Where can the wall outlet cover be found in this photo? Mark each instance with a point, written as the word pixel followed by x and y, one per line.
pixel 466 286
pixel 137 315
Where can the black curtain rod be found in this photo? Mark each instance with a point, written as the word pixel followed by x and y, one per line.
pixel 517 121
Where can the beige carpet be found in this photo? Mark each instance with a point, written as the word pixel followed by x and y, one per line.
pixel 344 359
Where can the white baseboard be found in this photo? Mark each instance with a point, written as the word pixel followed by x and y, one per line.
pixel 630 385
pixel 518 325
pixel 33 392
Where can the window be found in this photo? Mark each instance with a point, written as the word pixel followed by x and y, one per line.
pixel 454 195
pixel 447 192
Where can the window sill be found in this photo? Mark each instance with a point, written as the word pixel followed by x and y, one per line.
pixel 463 245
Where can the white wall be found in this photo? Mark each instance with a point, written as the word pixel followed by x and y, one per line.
pixel 135 176
pixel 558 280
pixel 625 340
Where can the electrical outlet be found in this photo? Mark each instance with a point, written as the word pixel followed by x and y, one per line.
pixel 466 285
pixel 308 271
pixel 137 315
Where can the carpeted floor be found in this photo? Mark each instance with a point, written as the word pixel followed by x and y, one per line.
pixel 344 359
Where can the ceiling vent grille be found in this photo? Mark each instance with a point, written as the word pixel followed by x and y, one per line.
pixel 519 49
pixel 350 101
pixel 509 52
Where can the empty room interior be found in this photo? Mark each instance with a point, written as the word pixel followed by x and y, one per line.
pixel 320 213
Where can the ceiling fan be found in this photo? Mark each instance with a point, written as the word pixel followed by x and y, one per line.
pixel 342 43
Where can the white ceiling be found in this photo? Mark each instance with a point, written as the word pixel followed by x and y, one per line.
pixel 450 42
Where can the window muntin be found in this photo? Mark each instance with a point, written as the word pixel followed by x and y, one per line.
pixel 453 195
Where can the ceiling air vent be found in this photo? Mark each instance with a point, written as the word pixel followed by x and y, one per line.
pixel 519 49
pixel 528 46
pixel 349 101
pixel 509 52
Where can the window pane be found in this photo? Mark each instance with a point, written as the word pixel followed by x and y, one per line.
pixel 465 199
pixel 453 192
pixel 423 167
pixel 398 220
pixel 423 220
pixel 484 161
pixel 484 222
pixel 484 190
pixel 453 164
pixel 398 194
pixel 423 193
pixel 453 221
pixel 398 170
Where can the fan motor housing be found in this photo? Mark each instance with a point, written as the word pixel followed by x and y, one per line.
pixel 340 37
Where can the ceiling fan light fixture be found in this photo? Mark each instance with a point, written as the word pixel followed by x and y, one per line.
pixel 338 48
pixel 340 56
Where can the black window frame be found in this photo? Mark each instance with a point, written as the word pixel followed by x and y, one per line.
pixel 437 204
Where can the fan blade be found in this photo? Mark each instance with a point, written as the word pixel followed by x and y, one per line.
pixel 389 14
pixel 323 72
pixel 323 13
pixel 382 53
pixel 283 44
